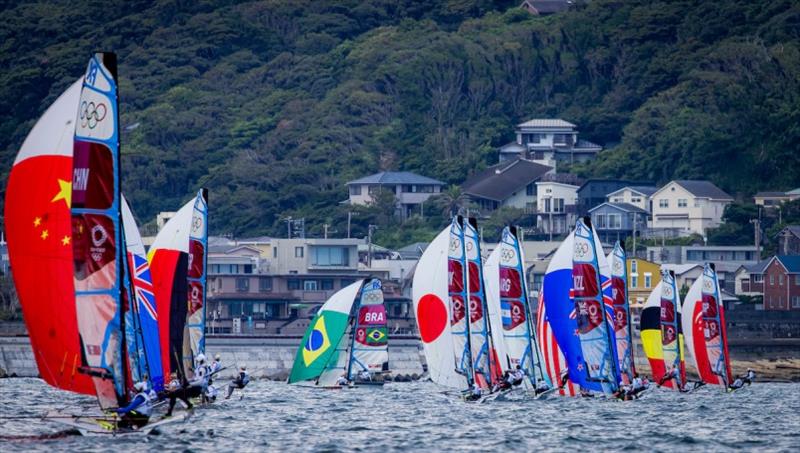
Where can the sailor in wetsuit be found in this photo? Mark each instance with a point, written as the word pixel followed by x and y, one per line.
pixel 137 412
pixel 175 391
pixel 240 382
pixel 671 374
pixel 541 387
pixel 517 376
pixel 475 393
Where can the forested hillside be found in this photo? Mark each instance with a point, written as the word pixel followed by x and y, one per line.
pixel 274 105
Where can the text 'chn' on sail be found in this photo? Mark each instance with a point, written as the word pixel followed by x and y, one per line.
pixel 178 265
pixel 579 310
pixel 704 329
pixel 346 337
pixel 509 310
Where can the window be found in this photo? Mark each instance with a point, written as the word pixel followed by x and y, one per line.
pixel 372 190
pixel 215 269
pixel 634 281
pixel 636 200
pixel 265 284
pixel 797 280
pixel 546 205
pixel 532 138
pixel 663 203
pixel 780 280
pixel 326 284
pixel 235 309
pixel 425 189
pixel 614 221
pixel 330 256
pixel 682 202
pixel 530 190
pixel 558 205
pixel 634 267
pixel 795 301
pixel 617 200
pixel 600 221
pixel 275 252
pixel 771 280
pixel 310 285
pixel 248 268
pixel 648 279
pixel 298 252
pixel 697 203
pixel 347 282
pixel 355 190
pixel 293 283
pixel 242 284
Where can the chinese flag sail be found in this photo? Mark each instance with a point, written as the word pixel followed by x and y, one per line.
pixel 37 214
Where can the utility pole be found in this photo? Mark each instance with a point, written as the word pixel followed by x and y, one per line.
pixel 635 221
pixel 370 228
pixel 288 227
pixel 349 216
pixel 325 227
pixel 757 234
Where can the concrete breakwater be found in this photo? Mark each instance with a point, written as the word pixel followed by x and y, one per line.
pixel 264 357
pixel 272 357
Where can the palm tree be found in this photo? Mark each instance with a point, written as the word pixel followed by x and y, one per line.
pixel 452 201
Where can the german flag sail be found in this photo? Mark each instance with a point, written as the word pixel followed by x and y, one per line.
pixel 37 223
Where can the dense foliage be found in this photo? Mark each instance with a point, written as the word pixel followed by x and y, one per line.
pixel 275 104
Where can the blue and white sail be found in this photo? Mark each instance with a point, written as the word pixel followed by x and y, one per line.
pixel 622 313
pixel 458 295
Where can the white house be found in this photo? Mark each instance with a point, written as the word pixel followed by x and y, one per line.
pixel 548 141
pixel 683 207
pixel 409 189
pixel 638 196
pixel 555 203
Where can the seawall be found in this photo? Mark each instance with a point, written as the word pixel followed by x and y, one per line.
pixel 265 357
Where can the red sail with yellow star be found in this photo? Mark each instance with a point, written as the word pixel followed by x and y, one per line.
pixel 38 229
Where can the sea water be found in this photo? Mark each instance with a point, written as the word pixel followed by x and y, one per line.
pixel 415 416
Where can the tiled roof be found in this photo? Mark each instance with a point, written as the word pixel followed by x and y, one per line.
pixel 769 194
pixel 627 207
pixel 790 262
pixel 500 181
pixel 794 229
pixel 587 144
pixel 396 177
pixel 646 190
pixel 705 189
pixel 547 123
pixel 757 268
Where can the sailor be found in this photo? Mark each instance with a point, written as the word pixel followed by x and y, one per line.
pixel 200 382
pixel 475 393
pixel 564 379
pixel 541 387
pixel 175 391
pixel 517 376
pixel 211 393
pixel 216 365
pixel 672 373
pixel 748 377
pixel 137 412
pixel 737 384
pixel 365 375
pixel 342 381
pixel 240 382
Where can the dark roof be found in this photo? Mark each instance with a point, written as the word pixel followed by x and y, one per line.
pixel 790 262
pixel 770 194
pixel 794 229
pixel 619 182
pixel 547 6
pixel 587 144
pixel 627 207
pixel 646 190
pixel 512 147
pixel 757 268
pixel 396 177
pixel 705 189
pixel 500 181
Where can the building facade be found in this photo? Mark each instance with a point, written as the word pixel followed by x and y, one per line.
pixel 617 221
pixel 684 207
pixel 782 283
pixel 638 196
pixel 410 190
pixel 789 240
pixel 555 207
pixel 547 142
pixel 594 192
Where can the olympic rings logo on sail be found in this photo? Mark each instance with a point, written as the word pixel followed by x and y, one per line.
pixel 581 249
pixel 197 224
pixel 373 296
pixel 92 114
pixel 506 255
pixel 668 292
pixel 469 246
pixel 707 286
pixel 454 244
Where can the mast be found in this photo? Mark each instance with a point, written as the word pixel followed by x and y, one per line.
pixel 487 326
pixel 532 348
pixel 353 329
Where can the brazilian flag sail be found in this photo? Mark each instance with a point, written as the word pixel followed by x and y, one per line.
pixel 324 334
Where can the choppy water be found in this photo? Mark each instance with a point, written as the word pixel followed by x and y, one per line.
pixel 412 416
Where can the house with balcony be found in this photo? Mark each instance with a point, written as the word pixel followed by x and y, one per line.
pixel 555 207
pixel 594 192
pixel 617 221
pixel 782 283
pixel 699 254
pixel 547 142
pixel 683 207
pixel 750 279
pixel 509 183
pixel 410 190
pixel 773 199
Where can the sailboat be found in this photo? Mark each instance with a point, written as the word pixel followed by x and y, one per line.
pixel 178 266
pixel 578 312
pixel 463 353
pixel 81 257
pixel 660 330
pixel 347 339
pixel 704 330
pixel 622 313
pixel 509 310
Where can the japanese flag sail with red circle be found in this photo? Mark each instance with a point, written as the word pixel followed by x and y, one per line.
pixel 37 222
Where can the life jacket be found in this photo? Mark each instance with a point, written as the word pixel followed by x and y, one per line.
pixel 145 408
pixel 245 378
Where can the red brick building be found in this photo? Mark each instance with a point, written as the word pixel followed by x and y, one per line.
pixel 782 283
